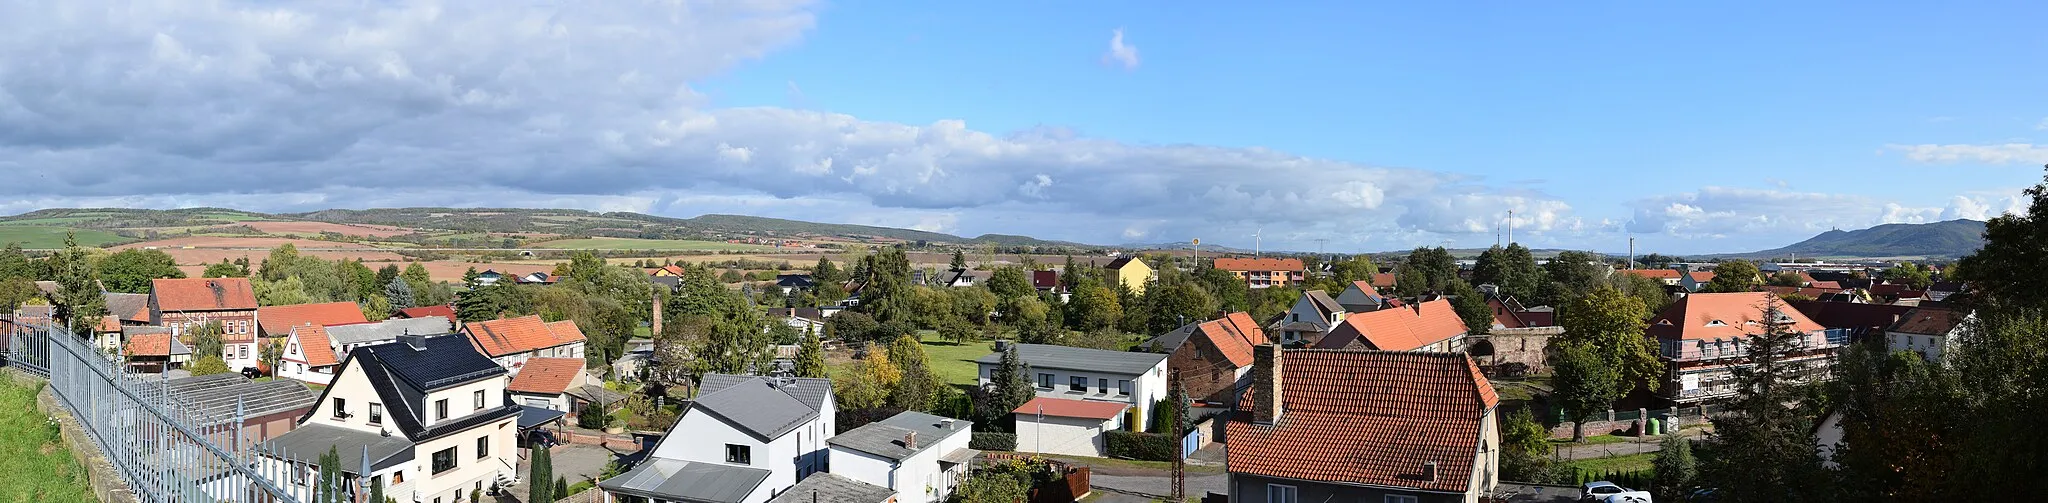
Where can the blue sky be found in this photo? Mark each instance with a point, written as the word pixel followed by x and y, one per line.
pixel 1697 128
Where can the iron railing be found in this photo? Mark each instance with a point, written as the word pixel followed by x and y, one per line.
pixel 166 451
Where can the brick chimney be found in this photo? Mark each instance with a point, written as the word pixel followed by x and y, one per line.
pixel 910 440
pixel 655 329
pixel 1266 384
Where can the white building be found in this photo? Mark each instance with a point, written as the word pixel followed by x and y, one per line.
pixel 311 353
pixel 1312 315
pixel 745 439
pixel 1928 331
pixel 511 341
pixel 1071 427
pixel 428 415
pixel 920 456
pixel 1132 378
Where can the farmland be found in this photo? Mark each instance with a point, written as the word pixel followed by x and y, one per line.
pixel 649 244
pixel 37 236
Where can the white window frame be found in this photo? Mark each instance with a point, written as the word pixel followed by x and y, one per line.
pixel 1282 493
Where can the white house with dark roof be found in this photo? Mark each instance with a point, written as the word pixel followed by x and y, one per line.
pixel 745 439
pixel 1133 378
pixel 1313 315
pixel 920 456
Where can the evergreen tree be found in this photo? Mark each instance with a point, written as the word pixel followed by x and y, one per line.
pixel 561 487
pixel 810 359
pixel 959 261
pixel 825 273
pixel 1763 450
pixel 376 490
pixel 79 302
pixel 399 294
pixel 1013 382
pixel 735 346
pixel 470 277
pixel 1675 468
pixel 887 295
pixel 332 484
pixel 540 470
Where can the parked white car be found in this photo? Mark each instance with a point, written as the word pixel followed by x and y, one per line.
pixel 1599 491
pixel 1628 497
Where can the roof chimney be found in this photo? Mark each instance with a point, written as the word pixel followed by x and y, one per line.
pixel 418 342
pixel 1429 471
pixel 910 440
pixel 1267 405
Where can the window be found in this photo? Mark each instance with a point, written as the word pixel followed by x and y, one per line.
pixel 1045 380
pixel 398 477
pixel 736 453
pixel 376 413
pixel 1123 387
pixel 1400 498
pixel 478 397
pixel 340 408
pixel 243 350
pixel 444 460
pixel 1276 493
pixel 441 409
pixel 295 348
pixel 1102 386
pixel 483 447
pixel 1078 384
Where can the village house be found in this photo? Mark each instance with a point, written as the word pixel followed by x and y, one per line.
pixel 510 341
pixel 745 439
pixel 311 352
pixel 807 320
pixel 1264 272
pixel 1323 425
pixel 1360 296
pixel 1429 326
pixel 1510 313
pixel 1704 337
pixel 1927 331
pixel 537 278
pixel 1211 357
pixel 963 278
pixel 278 321
pixel 1312 315
pixel 1130 272
pixel 919 456
pixel 1085 381
pixel 429 413
pixel 181 304
pixel 560 384
pixel 791 283
pixel 1669 277
pixel 154 349
pixel 124 310
pixel 443 311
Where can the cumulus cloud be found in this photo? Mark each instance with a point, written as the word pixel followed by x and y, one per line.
pixel 2004 153
pixel 290 107
pixel 1721 212
pixel 1120 53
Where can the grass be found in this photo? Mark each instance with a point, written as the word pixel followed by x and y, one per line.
pixel 954 363
pixel 1629 463
pixel 36 236
pixel 39 467
pixel 649 244
pixel 1593 440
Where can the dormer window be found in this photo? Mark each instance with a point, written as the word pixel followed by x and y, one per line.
pixel 1716 323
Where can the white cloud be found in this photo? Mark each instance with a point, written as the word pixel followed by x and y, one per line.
pixel 1120 53
pixel 2043 125
pixel 1722 212
pixel 2004 153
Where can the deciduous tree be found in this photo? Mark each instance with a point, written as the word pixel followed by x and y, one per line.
pixel 1585 383
pixel 1513 269
pixel 1736 276
pixel 130 271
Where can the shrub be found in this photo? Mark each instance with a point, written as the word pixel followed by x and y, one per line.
pixel 1141 446
pixel 992 441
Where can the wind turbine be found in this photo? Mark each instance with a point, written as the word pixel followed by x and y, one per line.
pixel 1256 239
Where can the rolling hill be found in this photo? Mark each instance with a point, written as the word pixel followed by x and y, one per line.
pixel 1950 239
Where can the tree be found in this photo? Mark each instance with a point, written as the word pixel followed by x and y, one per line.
pixel 376 308
pixel 1012 382
pixel 826 273
pixel 1525 450
pixel 399 294
pixel 1094 306
pixel 917 386
pixel 561 487
pixel 1585 383
pixel 270 354
pixel 1470 305
pixel 730 276
pixel 1232 293
pixel 1513 269
pixel 490 302
pixel 1355 268
pixel 1735 276
pixel 17 290
pixel 131 270
pixel 225 269
pixel 1568 275
pixel 1650 292
pixel 287 292
pixel 851 327
pixel 1675 469
pixel 79 302
pixel 1914 276
pixel 959 261
pixel 810 358
pixel 1169 305
pixel 206 339
pixel 1426 270
pixel 887 294
pixel 14 263
pixel 387 273
pixel 871 383
pixel 1787 278
pixel 735 346
pixel 1611 324
pixel 1010 283
pixel 1763 450
pixel 376 490
pixel 333 485
pixel 207 365
pixel 2013 244
pixel 540 469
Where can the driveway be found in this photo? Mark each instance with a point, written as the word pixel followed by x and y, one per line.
pixel 574 462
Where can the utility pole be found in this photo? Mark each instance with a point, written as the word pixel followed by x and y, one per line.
pixel 1180 459
pixel 1319 245
pixel 1631 251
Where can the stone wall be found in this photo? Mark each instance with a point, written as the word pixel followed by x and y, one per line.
pixel 1512 345
pixel 1609 422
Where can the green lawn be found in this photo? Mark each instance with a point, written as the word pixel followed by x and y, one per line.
pixel 649 244
pixel 37 236
pixel 39 467
pixel 1629 463
pixel 954 363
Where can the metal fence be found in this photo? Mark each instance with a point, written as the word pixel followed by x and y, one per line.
pixel 163 449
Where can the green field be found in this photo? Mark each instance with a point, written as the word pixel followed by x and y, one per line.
pixel 36 236
pixel 954 363
pixel 1629 463
pixel 55 220
pixel 39 467
pixel 649 244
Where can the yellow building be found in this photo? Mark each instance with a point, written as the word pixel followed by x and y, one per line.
pixel 1131 272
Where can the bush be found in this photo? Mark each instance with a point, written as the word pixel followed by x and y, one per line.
pixel 1141 446
pixel 992 441
pixel 208 365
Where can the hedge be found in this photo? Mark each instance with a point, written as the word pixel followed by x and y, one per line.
pixel 1141 446
pixel 992 441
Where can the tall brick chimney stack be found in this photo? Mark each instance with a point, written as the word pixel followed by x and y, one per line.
pixel 1267 405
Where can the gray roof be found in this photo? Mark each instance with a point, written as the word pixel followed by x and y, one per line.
pixel 311 440
pixel 1083 359
pixel 596 394
pixel 530 416
pixel 387 330
pixel 1323 302
pixel 674 479
pixel 120 305
pixel 1171 341
pixel 885 438
pixel 759 404
pixel 825 487
pixel 215 398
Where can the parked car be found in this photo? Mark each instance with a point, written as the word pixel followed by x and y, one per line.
pixel 252 372
pixel 1628 497
pixel 1599 491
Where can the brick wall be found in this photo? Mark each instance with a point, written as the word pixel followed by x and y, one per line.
pixel 1203 379
pixel 1514 345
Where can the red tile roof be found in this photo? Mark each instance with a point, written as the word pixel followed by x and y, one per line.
pixel 1383 280
pixel 203 294
pixel 546 376
pixel 443 311
pixel 518 335
pixel 667 270
pixel 1061 407
pixel 1930 321
pixel 1655 273
pixel 1828 285
pixel 1233 336
pixel 1702 276
pixel 1259 264
pixel 1722 316
pixel 1367 417
pixel 313 342
pixel 279 320
pixel 1045 279
pixel 1396 329
pixel 149 344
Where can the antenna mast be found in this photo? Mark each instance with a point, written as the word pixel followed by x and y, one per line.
pixel 1511 226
